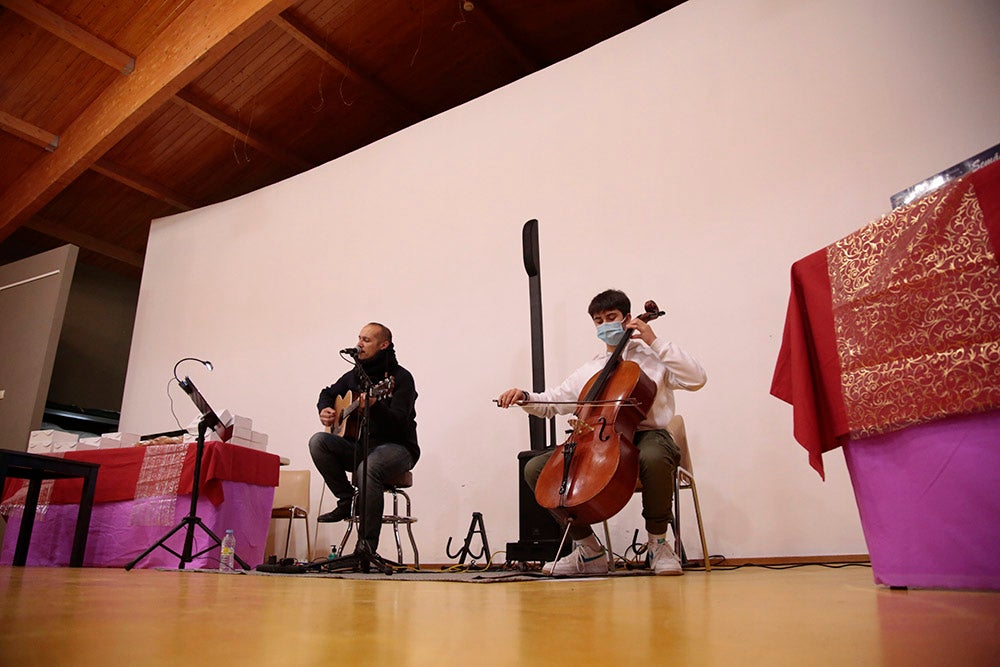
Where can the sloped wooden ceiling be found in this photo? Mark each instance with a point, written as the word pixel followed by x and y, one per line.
pixel 116 112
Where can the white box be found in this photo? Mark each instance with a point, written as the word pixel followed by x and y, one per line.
pixel 83 445
pixel 236 421
pixel 127 439
pixel 45 441
pixel 258 441
pixel 40 437
pixel 52 435
pixel 242 442
pixel 40 447
pixel 118 440
pixel 242 433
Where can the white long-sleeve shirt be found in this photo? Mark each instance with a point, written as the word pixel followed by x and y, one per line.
pixel 667 365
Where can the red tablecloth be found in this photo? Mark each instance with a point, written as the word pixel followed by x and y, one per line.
pixel 161 469
pixel 898 323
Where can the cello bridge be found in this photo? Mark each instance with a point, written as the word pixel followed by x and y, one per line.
pixel 580 427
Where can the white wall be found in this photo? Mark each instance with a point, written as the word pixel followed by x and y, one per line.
pixel 690 160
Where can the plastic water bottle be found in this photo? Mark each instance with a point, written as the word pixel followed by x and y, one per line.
pixel 333 552
pixel 228 551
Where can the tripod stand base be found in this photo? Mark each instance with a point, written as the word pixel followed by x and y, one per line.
pixel 362 560
pixel 189 522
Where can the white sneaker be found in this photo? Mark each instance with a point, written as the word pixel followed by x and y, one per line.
pixel 663 559
pixel 576 563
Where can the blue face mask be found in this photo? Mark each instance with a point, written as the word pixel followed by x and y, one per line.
pixel 610 332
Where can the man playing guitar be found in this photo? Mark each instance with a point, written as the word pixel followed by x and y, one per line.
pixel 390 394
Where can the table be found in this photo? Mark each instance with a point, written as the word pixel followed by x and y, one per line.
pixel 36 468
pixel 141 492
pixel 891 350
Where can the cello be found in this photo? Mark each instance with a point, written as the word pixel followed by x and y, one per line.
pixel 591 476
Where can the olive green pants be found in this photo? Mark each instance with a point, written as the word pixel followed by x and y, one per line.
pixel 659 457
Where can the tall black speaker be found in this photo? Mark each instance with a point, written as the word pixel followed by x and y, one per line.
pixel 539 534
pixel 529 245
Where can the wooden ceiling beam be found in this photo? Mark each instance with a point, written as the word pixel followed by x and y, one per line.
pixel 482 15
pixel 86 241
pixel 304 36
pixel 30 133
pixel 231 127
pixel 193 42
pixel 70 32
pixel 137 181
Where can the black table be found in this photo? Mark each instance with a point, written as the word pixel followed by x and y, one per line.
pixel 35 468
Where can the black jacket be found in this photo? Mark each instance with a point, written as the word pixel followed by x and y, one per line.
pixel 392 419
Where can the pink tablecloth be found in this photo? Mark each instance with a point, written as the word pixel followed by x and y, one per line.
pixel 121 530
pixel 929 499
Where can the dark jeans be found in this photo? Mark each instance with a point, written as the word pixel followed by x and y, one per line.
pixel 659 457
pixel 334 456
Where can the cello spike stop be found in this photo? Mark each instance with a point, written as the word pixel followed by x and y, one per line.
pixel 562 542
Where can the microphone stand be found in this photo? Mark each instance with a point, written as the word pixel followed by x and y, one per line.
pixel 363 558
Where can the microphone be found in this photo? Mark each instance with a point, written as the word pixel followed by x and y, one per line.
pixel 352 351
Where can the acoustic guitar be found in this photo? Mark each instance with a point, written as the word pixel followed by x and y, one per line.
pixel 346 423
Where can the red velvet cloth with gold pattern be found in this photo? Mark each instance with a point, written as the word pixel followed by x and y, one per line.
pixel 899 322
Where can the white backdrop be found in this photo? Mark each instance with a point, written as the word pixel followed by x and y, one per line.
pixel 690 160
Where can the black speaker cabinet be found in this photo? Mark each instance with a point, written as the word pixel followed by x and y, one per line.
pixel 539 532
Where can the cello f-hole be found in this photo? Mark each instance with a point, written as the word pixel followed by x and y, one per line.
pixel 600 434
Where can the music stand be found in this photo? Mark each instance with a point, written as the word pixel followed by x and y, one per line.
pixel 363 557
pixel 208 420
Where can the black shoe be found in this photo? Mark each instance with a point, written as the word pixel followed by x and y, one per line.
pixel 339 513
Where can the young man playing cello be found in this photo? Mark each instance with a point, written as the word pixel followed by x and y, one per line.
pixel 669 368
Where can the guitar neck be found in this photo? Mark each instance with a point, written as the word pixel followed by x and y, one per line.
pixel 349 409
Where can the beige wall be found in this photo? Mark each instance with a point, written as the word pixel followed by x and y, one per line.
pixel 33 295
pixel 691 160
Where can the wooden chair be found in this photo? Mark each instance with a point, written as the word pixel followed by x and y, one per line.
pixel 394 487
pixel 684 480
pixel 291 501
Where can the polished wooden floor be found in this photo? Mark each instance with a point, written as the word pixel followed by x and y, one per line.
pixel 804 616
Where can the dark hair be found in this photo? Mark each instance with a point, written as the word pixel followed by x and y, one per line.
pixel 383 331
pixel 611 299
